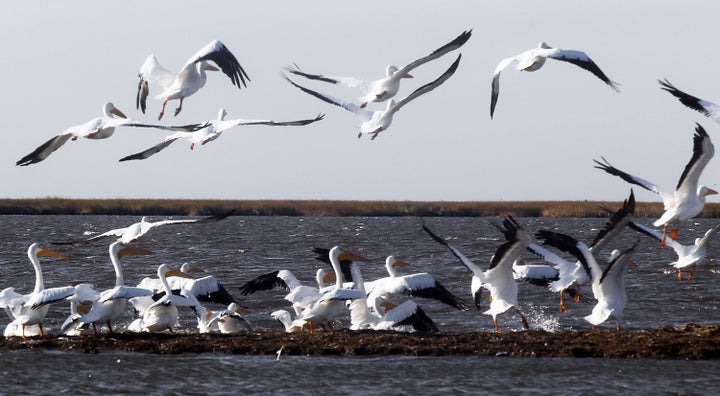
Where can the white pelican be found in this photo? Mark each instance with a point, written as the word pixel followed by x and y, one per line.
pixel 387 87
pixel 85 293
pixel 535 274
pixel 476 280
pixel 688 199
pixel 34 306
pixel 534 59
pixel 206 289
pixel 608 285
pixel 136 230
pixel 331 305
pixel 323 254
pixel 406 314
pixel 574 272
pixel 112 302
pixel 191 78
pixel 498 279
pixel 374 122
pixel 687 255
pixel 301 296
pixel 229 320
pixel 97 128
pixel 211 130
pixel 163 313
pixel 9 300
pixel 708 109
pixel 286 320
pixel 417 285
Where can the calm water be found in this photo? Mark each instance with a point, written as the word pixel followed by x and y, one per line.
pixel 240 248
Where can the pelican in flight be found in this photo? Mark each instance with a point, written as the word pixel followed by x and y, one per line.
pixel 387 87
pixel 112 302
pixel 97 128
pixel 573 273
pixel 136 230
pixel 688 199
pixel 706 108
pixel 498 279
pixel 191 78
pixel 608 285
pixel 374 122
pixel 534 59
pixel 211 130
pixel 687 255
pixel 30 309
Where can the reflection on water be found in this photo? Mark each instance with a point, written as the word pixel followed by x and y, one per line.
pixel 238 249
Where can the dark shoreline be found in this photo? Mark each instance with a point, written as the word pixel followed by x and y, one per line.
pixel 189 207
pixel 689 342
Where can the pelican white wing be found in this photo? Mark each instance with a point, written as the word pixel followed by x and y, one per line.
pixel 211 130
pixel 375 122
pixel 137 230
pixel 534 59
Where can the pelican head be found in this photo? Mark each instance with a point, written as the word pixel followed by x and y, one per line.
pixel 544 45
pixel 322 277
pixel 393 262
pixel 614 254
pixel 221 114
pixel 391 69
pixel 705 191
pixel 237 308
pixel 165 271
pixel 340 254
pixel 38 250
pixel 188 268
pixel 109 110
pixel 207 66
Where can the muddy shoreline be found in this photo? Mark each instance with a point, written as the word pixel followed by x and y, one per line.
pixel 690 342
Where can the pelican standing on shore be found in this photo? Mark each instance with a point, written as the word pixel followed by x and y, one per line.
pixel 162 314
pixel 113 301
pixel 31 308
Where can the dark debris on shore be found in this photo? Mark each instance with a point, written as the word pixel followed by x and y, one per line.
pixel 691 342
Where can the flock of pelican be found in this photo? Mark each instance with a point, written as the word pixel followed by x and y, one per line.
pixel 364 304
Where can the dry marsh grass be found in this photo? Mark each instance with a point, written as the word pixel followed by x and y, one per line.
pixel 191 207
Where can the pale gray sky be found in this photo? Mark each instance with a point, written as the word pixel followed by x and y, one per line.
pixel 63 60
